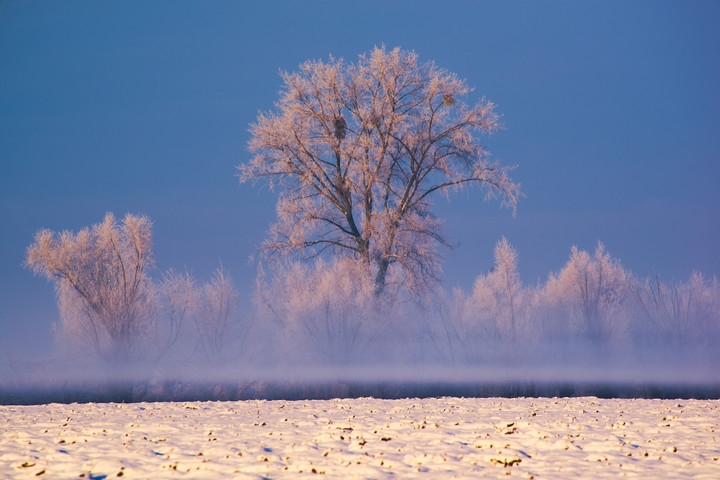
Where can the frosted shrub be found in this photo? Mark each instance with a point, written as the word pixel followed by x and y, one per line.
pixel 469 330
pixel 216 315
pixel 587 295
pixel 322 312
pixel 210 309
pixel 678 315
pixel 179 299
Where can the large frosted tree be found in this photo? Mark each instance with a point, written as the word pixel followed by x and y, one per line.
pixel 358 151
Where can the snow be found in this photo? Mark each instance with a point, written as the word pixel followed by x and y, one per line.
pixel 447 437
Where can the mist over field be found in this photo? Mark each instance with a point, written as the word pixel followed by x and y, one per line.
pixel 321 331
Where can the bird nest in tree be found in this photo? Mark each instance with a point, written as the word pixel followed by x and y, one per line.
pixel 374 121
pixel 340 125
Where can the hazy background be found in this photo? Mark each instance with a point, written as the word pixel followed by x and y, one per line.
pixel 612 113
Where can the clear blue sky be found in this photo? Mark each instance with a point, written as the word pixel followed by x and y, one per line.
pixel 611 109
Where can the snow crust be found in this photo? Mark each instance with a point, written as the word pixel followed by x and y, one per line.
pixel 446 437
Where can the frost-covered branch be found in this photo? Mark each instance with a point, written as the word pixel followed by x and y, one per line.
pixel 359 149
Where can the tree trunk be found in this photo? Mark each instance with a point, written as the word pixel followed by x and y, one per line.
pixel 380 277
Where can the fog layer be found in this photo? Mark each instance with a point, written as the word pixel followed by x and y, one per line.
pixel 321 329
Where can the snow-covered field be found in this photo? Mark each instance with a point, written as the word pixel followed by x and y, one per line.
pixel 365 438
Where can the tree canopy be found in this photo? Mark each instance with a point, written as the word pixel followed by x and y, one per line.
pixel 359 150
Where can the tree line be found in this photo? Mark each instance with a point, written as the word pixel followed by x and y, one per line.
pixel 328 311
pixel 350 269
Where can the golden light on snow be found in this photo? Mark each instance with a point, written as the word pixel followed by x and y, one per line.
pixel 364 438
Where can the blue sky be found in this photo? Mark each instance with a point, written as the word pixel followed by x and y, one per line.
pixel 611 109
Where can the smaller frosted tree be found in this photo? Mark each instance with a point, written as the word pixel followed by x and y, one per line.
pixel 217 309
pixel 179 300
pixel 498 292
pixel 476 326
pixel 681 313
pixel 323 312
pixel 100 274
pixel 590 289
pixel 468 331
